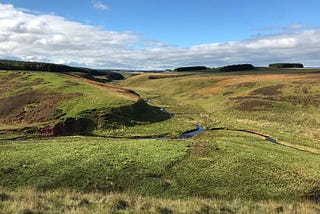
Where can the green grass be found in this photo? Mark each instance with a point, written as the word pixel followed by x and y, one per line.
pixel 232 171
pixel 235 165
pixel 90 164
pixel 173 127
pixel 219 164
pixel 220 96
pixel 92 98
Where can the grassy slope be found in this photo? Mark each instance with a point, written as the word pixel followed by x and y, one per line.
pixel 216 164
pixel 60 96
pixel 41 99
pixel 88 96
pixel 263 102
pixel 89 163
pixel 245 102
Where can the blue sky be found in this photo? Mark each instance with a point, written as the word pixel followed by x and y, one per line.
pixel 145 34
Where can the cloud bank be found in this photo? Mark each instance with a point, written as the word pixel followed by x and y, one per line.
pixel 42 37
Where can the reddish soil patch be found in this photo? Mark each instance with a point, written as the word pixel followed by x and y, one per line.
pixel 9 83
pixel 31 107
pixel 271 90
pixel 254 105
pixel 245 85
pixel 303 100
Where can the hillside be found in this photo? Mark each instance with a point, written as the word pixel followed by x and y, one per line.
pixel 49 104
pixel 259 152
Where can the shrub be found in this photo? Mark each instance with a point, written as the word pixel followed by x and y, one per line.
pixel 164 210
pixel 286 65
pixel 84 202
pixel 118 203
pixel 240 67
pixel 4 197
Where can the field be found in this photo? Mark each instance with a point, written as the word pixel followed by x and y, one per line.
pixel 260 152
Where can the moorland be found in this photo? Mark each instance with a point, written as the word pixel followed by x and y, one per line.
pixel 84 141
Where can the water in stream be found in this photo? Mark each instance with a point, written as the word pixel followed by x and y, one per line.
pixel 193 133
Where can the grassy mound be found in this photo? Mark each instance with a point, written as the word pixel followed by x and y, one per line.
pixel 54 104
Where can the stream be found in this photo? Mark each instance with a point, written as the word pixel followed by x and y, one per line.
pixel 192 133
pixel 200 129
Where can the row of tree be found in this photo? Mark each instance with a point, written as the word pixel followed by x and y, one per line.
pixel 286 65
pixel 239 67
pixel 38 66
pixel 59 68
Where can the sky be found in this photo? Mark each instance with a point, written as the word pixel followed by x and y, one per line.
pixel 160 34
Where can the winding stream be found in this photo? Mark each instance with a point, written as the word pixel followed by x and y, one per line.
pixel 200 129
pixel 190 134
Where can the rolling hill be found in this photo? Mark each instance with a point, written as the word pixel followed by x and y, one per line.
pixel 115 148
pixel 52 104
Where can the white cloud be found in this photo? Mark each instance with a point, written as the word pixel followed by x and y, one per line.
pixel 99 5
pixel 43 37
pixel 290 28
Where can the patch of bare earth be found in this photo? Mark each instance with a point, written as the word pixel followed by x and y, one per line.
pixel 313 100
pixel 31 107
pixel 9 83
pixel 254 105
pixel 272 90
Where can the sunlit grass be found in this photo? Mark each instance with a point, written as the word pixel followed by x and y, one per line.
pixel 28 200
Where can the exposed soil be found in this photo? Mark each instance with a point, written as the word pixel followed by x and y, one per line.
pixel 271 90
pixel 31 107
pixel 254 105
pixel 10 83
pixel 312 100
pixel 245 85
